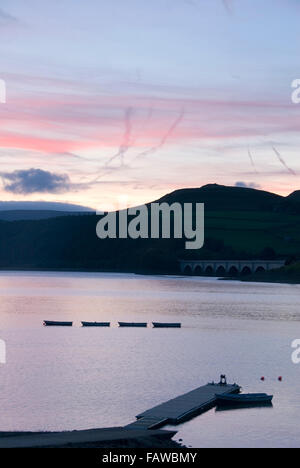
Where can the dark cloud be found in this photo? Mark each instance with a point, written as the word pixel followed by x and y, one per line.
pixel 35 181
pixel 247 185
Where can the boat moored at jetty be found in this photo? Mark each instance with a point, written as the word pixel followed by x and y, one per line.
pixel 53 323
pixel 166 325
pixel 242 399
pixel 95 324
pixel 132 324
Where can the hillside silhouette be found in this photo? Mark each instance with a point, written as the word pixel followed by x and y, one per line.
pixel 239 223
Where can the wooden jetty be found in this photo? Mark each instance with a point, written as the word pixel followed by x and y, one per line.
pixel 183 407
pixel 143 430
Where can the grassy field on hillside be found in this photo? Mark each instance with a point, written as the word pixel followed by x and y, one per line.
pixel 253 231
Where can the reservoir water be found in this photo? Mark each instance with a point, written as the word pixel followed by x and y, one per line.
pixel 76 378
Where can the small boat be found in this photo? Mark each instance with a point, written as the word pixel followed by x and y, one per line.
pixel 132 324
pixel 95 324
pixel 242 406
pixel 53 323
pixel 242 399
pixel 166 325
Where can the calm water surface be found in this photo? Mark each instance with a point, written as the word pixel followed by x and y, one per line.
pixel 72 378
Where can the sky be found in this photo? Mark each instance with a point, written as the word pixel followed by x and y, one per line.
pixel 112 103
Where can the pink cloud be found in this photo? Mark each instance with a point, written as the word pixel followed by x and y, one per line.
pixel 46 145
pixel 78 119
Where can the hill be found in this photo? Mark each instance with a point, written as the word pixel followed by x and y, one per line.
pixel 239 223
pixel 244 222
pixel 220 197
pixel 294 196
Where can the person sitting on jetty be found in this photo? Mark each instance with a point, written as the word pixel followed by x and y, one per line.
pixel 223 380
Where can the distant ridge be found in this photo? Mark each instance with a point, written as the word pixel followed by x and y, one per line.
pixel 41 206
pixel 19 210
pixel 30 215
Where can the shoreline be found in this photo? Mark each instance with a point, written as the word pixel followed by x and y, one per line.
pixel 260 280
pixel 113 437
pixel 249 279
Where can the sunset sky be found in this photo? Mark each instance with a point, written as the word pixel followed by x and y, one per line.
pixel 114 101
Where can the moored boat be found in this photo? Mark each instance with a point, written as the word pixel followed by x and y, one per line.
pixel 95 324
pixel 166 325
pixel 54 323
pixel 132 324
pixel 242 399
